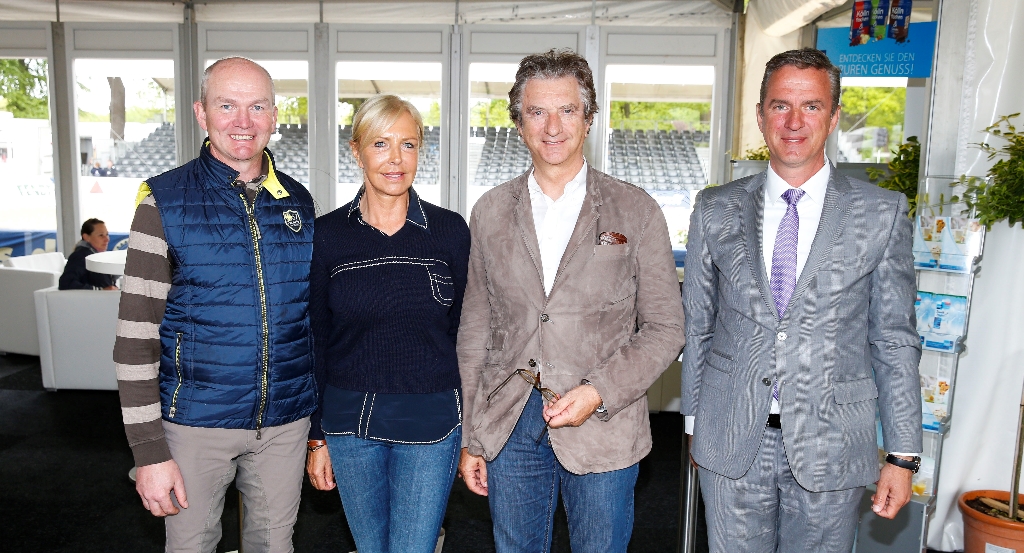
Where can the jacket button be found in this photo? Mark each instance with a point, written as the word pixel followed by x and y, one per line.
pixel 781 336
pixel 766 381
pixel 544 318
pixel 532 363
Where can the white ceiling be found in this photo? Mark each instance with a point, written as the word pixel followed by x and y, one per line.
pixel 577 12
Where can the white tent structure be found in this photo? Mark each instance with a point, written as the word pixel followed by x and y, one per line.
pixel 726 43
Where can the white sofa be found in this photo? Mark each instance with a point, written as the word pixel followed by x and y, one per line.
pixel 51 261
pixel 19 278
pixel 76 338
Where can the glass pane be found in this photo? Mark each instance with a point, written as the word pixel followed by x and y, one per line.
pixel 496 154
pixel 125 135
pixel 417 82
pixel 28 213
pixel 871 121
pixel 659 129
pixel 290 145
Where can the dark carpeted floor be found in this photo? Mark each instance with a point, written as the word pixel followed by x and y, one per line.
pixel 64 484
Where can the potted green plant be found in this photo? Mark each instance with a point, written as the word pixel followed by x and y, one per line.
pixel 752 162
pixel 1000 196
pixel 994 517
pixel 902 175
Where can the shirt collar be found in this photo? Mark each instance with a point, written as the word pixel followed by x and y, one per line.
pixel 271 183
pixel 814 188
pixel 217 167
pixel 580 180
pixel 415 214
pixel 84 244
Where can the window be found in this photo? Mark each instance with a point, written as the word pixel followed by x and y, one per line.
pixel 871 121
pixel 125 134
pixel 496 154
pixel 28 214
pixel 659 134
pixel 417 82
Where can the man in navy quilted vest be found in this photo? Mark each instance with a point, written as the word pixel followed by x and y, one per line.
pixel 213 353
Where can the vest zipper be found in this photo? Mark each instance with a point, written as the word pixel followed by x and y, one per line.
pixel 177 367
pixel 254 230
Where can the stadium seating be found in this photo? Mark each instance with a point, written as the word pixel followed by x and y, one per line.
pixel 652 159
pixel 658 159
pixel 155 154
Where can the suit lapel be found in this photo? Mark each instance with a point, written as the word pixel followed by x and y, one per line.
pixel 523 214
pixel 834 212
pixel 753 222
pixel 583 232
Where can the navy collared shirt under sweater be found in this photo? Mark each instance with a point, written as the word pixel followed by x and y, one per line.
pixel 385 313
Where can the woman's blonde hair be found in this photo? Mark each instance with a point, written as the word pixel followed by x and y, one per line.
pixel 378 113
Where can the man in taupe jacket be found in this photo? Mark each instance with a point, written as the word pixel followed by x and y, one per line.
pixel 571 277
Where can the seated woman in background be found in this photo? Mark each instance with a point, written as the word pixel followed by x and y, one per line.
pixel 76 276
pixel 386 285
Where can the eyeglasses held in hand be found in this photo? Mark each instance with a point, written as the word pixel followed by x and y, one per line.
pixel 534 379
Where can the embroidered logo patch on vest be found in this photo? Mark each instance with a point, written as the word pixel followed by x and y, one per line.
pixel 292 220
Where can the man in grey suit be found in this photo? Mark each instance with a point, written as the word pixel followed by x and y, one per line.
pixel 799 296
pixel 570 277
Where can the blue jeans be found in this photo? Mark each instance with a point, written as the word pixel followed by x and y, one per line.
pixel 394 495
pixel 523 484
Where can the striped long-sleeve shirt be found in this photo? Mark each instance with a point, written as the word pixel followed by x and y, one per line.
pixel 147 281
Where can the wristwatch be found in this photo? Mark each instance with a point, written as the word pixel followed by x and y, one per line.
pixel 913 465
pixel 601 409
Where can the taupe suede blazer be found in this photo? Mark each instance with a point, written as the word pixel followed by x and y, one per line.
pixel 614 317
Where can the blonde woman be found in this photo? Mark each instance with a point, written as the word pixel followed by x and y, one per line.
pixel 386 286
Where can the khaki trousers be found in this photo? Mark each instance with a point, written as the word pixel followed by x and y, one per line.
pixel 268 472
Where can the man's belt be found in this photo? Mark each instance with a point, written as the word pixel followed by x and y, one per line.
pixel 774 421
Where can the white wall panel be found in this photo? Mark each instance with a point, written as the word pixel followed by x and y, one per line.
pixel 225 41
pixel 424 42
pixel 759 47
pixel 978 452
pixel 648 44
pixel 131 40
pixel 23 39
pixel 489 42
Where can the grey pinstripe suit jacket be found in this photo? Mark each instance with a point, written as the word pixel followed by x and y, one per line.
pixel 846 345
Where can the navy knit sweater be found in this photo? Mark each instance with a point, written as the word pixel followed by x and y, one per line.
pixel 385 309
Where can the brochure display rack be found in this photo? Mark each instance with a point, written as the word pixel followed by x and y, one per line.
pixel 947 255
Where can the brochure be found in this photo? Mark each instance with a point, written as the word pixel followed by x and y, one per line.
pixel 941 320
pixel 946 243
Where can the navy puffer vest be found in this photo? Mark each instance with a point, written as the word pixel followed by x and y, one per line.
pixel 236 350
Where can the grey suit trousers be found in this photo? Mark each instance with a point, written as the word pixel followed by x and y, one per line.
pixel 767 511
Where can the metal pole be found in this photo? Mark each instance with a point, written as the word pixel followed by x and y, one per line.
pixel 1015 485
pixel 241 523
pixel 689 494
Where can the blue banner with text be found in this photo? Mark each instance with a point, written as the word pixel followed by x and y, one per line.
pixel 881 58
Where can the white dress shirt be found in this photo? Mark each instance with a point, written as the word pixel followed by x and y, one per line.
pixel 554 221
pixel 808 208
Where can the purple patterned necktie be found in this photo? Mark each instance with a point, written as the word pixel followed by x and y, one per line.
pixel 783 280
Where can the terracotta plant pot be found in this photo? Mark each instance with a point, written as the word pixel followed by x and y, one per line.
pixel 981 529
